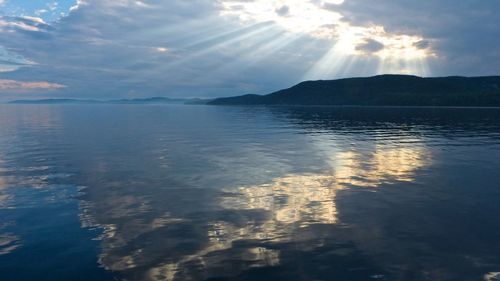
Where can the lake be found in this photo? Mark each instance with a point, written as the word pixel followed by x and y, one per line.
pixel 158 192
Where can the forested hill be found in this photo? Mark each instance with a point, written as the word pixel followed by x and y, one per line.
pixel 383 90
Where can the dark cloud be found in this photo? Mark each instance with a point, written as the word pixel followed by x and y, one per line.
pixel 370 46
pixel 283 10
pixel 423 44
pixel 464 34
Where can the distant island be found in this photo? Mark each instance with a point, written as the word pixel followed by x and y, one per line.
pixel 153 100
pixel 382 90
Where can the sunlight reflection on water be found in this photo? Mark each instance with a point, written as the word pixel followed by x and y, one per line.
pixel 192 193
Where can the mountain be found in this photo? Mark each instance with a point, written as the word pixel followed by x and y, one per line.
pixel 153 100
pixel 197 101
pixel 55 101
pixel 382 90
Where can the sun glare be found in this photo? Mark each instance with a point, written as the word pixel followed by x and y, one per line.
pixel 397 53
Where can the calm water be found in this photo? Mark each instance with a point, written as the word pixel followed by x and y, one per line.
pixel 229 193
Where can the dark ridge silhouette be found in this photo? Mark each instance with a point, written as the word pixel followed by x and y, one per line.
pixel 383 90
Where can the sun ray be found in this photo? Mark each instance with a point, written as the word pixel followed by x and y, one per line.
pixel 352 44
pixel 329 65
pixel 217 44
pixel 206 47
pixel 183 33
pixel 255 52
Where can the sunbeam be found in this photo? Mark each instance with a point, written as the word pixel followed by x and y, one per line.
pixel 250 53
pixel 330 64
pixel 352 44
pixel 211 44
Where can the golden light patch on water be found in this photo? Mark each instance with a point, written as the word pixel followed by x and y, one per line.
pixel 304 198
pixel 383 164
pixel 299 200
pixel 310 198
pixel 277 210
pixel 492 276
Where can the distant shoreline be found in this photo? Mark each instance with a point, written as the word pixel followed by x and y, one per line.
pixel 382 91
pixel 144 101
pixel 265 106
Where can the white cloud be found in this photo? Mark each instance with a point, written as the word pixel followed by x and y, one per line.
pixel 53 6
pixel 161 49
pixel 77 5
pixel 8 25
pixel 41 12
pixel 28 86
pixel 26 23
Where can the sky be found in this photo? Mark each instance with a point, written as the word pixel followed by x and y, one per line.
pixel 107 49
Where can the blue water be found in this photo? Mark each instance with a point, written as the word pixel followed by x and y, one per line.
pixel 139 192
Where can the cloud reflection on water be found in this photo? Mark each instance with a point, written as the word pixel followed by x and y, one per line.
pixel 194 193
pixel 273 213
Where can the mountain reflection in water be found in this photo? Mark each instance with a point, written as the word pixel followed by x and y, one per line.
pixel 236 193
pixel 261 216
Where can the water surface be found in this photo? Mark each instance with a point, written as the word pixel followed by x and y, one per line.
pixel 124 192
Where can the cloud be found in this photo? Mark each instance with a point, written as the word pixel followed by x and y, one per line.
pixel 370 46
pixel 161 49
pixel 212 48
pixel 41 12
pixel 23 23
pixel 10 61
pixel 323 19
pixel 28 86
pixel 48 10
pixel 463 33
pixel 283 10
pixel 422 44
